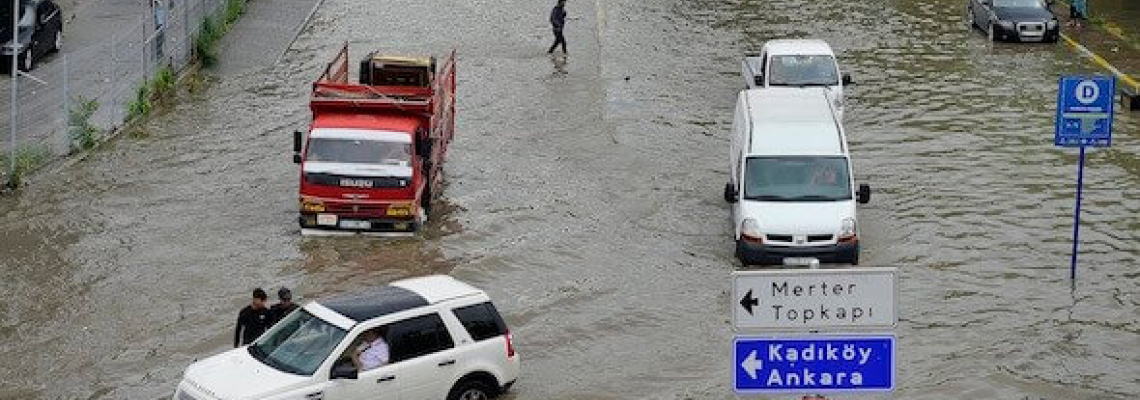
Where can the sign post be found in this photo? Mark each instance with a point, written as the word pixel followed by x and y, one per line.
pixel 778 316
pixel 1084 118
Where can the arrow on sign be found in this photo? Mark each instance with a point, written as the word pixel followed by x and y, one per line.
pixel 751 364
pixel 748 302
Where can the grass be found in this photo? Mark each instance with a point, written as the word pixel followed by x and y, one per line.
pixel 213 28
pixel 140 107
pixel 82 133
pixel 28 159
pixel 163 84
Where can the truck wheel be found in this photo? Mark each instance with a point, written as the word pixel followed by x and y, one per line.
pixel 470 390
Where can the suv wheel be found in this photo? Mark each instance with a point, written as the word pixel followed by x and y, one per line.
pixel 470 390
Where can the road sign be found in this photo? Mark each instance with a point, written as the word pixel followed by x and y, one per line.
pixel 815 364
pixel 1084 111
pixel 812 300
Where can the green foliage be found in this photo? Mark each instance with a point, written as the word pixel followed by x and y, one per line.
pixel 234 9
pixel 163 83
pixel 81 131
pixel 27 160
pixel 140 106
pixel 205 45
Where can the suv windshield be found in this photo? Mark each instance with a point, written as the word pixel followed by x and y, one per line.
pixel 1018 4
pixel 357 151
pixel 298 344
pixel 797 179
pixel 803 70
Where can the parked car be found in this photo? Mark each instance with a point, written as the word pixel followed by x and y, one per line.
pixel 40 33
pixel 445 340
pixel 796 63
pixel 791 185
pixel 1014 20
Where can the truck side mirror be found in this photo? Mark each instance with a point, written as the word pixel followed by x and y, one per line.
pixel 297 147
pixel 864 194
pixel 731 195
pixel 847 80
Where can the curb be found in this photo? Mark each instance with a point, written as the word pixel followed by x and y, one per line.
pixel 1127 79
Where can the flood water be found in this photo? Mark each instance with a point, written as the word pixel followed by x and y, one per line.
pixel 584 195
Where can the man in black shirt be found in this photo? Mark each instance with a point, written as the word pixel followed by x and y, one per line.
pixel 558 21
pixel 253 319
pixel 284 306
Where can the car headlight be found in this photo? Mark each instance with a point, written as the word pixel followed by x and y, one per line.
pixel 1051 24
pixel 847 228
pixel 1005 24
pixel 750 230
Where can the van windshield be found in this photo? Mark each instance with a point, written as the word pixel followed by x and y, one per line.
pixel 797 179
pixel 803 70
pixel 298 344
pixel 360 151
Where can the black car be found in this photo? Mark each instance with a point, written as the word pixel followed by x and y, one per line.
pixel 1015 20
pixel 40 32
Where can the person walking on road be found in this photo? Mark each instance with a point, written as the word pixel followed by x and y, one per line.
pixel 252 320
pixel 284 306
pixel 558 21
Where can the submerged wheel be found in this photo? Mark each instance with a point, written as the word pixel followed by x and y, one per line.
pixel 58 44
pixel 27 61
pixel 470 390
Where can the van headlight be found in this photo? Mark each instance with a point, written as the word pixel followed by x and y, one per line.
pixel 750 230
pixel 847 230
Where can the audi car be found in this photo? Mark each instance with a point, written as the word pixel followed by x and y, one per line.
pixel 1015 20
pixel 40 33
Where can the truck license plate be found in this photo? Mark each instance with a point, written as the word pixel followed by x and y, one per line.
pixel 326 219
pixel 350 224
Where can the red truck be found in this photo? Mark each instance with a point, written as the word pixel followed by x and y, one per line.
pixel 372 161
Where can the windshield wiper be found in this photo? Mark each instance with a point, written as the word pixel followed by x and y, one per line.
pixel 815 197
pixel 767 197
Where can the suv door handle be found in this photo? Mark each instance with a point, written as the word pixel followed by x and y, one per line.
pixel 446 363
pixel 315 396
pixel 387 378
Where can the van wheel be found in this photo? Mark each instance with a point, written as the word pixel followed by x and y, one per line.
pixel 470 390
pixel 728 192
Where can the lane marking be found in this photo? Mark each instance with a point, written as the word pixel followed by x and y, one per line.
pixel 1127 79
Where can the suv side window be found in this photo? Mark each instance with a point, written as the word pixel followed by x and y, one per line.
pixel 482 321
pixel 417 337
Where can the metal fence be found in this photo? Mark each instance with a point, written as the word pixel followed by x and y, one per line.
pixel 107 75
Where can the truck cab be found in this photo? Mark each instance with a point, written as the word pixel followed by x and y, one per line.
pixel 372 159
pixel 791 185
pixel 796 63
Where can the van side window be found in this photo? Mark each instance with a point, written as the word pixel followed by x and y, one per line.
pixel 417 337
pixel 482 321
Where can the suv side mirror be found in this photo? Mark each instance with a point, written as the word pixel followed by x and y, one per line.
pixel 731 195
pixel 297 147
pixel 847 79
pixel 343 370
pixel 863 196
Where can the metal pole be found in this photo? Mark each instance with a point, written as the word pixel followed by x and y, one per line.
pixel 66 107
pixel 1077 215
pixel 15 72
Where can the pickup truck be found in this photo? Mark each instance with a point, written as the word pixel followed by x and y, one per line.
pixel 372 161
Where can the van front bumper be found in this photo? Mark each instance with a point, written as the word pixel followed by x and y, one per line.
pixel 760 254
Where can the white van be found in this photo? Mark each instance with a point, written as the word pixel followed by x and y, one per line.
pixel 792 191
pixel 438 339
pixel 796 63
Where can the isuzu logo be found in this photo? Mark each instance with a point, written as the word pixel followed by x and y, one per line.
pixel 358 183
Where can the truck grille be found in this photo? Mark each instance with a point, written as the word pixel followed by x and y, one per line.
pixel 356 182
pixel 348 210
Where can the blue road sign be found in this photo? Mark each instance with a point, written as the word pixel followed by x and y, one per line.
pixel 814 364
pixel 1084 111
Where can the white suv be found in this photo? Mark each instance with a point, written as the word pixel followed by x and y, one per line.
pixel 446 341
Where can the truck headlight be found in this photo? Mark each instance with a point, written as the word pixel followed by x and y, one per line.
pixel 312 205
pixel 401 210
pixel 847 229
pixel 750 230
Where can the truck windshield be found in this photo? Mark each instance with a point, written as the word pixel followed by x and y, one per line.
pixel 298 344
pixel 796 179
pixel 359 151
pixel 803 70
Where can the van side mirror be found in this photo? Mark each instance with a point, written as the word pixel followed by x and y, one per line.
pixel 847 79
pixel 731 195
pixel 863 196
pixel 297 147
pixel 344 370
pixel 758 79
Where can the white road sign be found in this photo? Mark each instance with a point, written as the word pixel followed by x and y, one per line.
pixel 814 300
